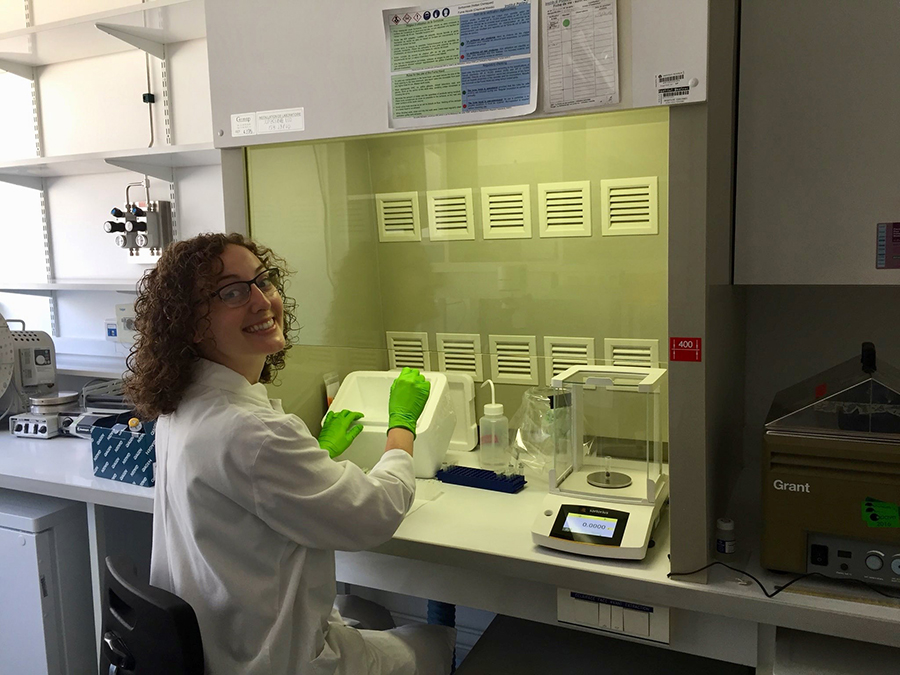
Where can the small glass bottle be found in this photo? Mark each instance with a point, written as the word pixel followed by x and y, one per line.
pixel 726 542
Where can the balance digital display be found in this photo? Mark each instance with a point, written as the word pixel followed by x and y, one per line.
pixel 593 525
pixel 590 525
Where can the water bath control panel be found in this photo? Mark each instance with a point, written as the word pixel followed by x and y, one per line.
pixel 842 558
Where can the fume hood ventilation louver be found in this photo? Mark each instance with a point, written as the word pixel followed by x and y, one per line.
pixel 631 352
pixel 565 209
pixel 461 353
pixel 506 212
pixel 637 352
pixel 513 359
pixel 562 353
pixel 398 216
pixel 629 206
pixel 450 215
pixel 408 350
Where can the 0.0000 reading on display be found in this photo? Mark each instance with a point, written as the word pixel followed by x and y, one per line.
pixel 593 525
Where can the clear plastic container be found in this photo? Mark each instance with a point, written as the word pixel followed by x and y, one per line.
pixel 493 430
pixel 538 428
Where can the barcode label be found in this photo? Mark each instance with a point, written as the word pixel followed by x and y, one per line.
pixel 674 92
pixel 672 95
pixel 669 79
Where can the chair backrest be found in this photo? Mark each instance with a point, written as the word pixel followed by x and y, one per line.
pixel 146 630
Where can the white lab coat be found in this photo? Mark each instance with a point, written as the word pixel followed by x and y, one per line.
pixel 247 516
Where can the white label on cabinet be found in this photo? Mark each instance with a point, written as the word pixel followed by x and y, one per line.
pixel 279 121
pixel 267 122
pixel 243 124
pixel 669 80
pixel 669 95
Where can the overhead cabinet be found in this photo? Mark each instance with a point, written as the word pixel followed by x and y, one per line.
pixel 330 59
pixel 818 134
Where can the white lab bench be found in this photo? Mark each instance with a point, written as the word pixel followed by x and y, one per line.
pixel 473 548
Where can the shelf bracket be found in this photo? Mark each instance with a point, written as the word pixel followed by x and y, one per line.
pixel 145 39
pixel 21 69
pixel 32 182
pixel 166 173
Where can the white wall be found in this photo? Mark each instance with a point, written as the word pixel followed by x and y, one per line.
pixel 22 253
pixel 93 105
pixel 12 15
pixel 189 92
pixel 16 119
pixel 199 200
pixel 34 311
pixel 47 11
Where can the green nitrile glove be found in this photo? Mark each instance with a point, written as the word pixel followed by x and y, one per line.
pixel 409 394
pixel 338 431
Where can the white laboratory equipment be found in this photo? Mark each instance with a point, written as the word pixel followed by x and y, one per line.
pixel 368 392
pixel 462 400
pixel 46 610
pixel 27 367
pixel 609 479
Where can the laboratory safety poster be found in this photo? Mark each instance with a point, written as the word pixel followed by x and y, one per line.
pixel 456 64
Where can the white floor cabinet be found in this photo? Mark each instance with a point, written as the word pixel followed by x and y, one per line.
pixel 46 614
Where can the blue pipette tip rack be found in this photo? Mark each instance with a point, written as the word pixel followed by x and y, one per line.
pixel 481 478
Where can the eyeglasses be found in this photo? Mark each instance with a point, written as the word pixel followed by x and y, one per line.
pixel 237 293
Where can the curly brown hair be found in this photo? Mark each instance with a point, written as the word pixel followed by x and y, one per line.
pixel 163 358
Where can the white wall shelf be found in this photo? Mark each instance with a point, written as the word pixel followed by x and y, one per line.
pixel 71 63
pixel 82 365
pixel 88 357
pixel 159 21
pixel 159 162
pixel 44 287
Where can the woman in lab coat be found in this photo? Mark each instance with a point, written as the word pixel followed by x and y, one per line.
pixel 249 506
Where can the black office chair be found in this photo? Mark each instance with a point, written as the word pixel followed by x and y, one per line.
pixel 146 630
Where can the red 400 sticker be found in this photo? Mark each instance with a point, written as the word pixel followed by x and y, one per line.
pixel 685 349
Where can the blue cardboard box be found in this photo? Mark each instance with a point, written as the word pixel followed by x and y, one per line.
pixel 124 455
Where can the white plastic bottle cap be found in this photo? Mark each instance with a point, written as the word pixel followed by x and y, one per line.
pixel 726 524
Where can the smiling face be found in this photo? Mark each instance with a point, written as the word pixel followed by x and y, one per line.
pixel 242 337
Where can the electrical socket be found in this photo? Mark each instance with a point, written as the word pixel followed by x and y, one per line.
pixel 125 323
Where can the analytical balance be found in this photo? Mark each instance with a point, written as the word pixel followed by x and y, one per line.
pixel 609 479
